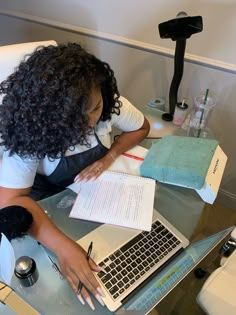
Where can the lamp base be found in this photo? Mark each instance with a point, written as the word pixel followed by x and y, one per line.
pixel 167 117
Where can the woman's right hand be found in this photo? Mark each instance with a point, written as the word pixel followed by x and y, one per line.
pixel 72 257
pixel 75 268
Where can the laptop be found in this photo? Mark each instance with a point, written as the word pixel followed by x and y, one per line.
pixel 131 257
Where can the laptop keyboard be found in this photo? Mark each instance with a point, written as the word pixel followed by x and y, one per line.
pixel 135 259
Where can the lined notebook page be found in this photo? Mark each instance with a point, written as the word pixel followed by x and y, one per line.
pixel 116 198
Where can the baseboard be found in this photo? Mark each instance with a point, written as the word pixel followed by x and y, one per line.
pixel 207 62
pixel 227 199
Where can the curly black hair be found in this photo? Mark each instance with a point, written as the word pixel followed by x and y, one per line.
pixel 43 111
pixel 15 221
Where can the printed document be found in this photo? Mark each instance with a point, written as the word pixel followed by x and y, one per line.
pixel 116 198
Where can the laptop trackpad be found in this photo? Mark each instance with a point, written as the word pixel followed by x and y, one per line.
pixel 107 238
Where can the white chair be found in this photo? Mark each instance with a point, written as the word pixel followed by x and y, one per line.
pixel 218 294
pixel 12 55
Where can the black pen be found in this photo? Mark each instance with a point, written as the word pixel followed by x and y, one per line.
pixel 80 286
pixel 54 265
pixel 56 268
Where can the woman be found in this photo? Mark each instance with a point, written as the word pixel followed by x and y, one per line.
pixel 56 118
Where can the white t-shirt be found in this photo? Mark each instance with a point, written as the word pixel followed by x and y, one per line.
pixel 16 172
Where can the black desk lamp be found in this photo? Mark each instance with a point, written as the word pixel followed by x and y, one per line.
pixel 178 29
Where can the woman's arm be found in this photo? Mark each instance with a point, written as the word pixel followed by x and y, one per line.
pixel 72 257
pixel 128 140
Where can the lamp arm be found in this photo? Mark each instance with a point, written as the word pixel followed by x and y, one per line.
pixel 178 73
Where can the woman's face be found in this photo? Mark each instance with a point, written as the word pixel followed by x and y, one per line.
pixel 95 106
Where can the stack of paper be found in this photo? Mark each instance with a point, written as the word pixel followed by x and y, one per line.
pixel 116 198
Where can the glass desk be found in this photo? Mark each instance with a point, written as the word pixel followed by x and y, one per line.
pixel 160 128
pixel 51 295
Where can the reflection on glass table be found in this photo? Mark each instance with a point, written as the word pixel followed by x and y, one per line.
pixel 51 295
pixel 160 128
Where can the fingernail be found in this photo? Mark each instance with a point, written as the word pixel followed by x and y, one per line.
pixel 100 291
pixel 102 269
pixel 98 297
pixel 81 299
pixel 78 177
pixel 79 180
pixel 90 303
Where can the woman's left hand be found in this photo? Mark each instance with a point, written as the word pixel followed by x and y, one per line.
pixel 124 142
pixel 94 170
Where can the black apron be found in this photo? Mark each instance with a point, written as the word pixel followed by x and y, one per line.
pixel 65 172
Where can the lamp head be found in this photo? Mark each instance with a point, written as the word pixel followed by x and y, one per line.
pixel 182 27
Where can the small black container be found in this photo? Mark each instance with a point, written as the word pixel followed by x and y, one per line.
pixel 26 271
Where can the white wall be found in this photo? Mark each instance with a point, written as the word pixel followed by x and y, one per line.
pixel 139 19
pixel 142 73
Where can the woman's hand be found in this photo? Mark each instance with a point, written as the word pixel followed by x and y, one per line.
pixel 94 170
pixel 124 142
pixel 72 258
pixel 75 268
